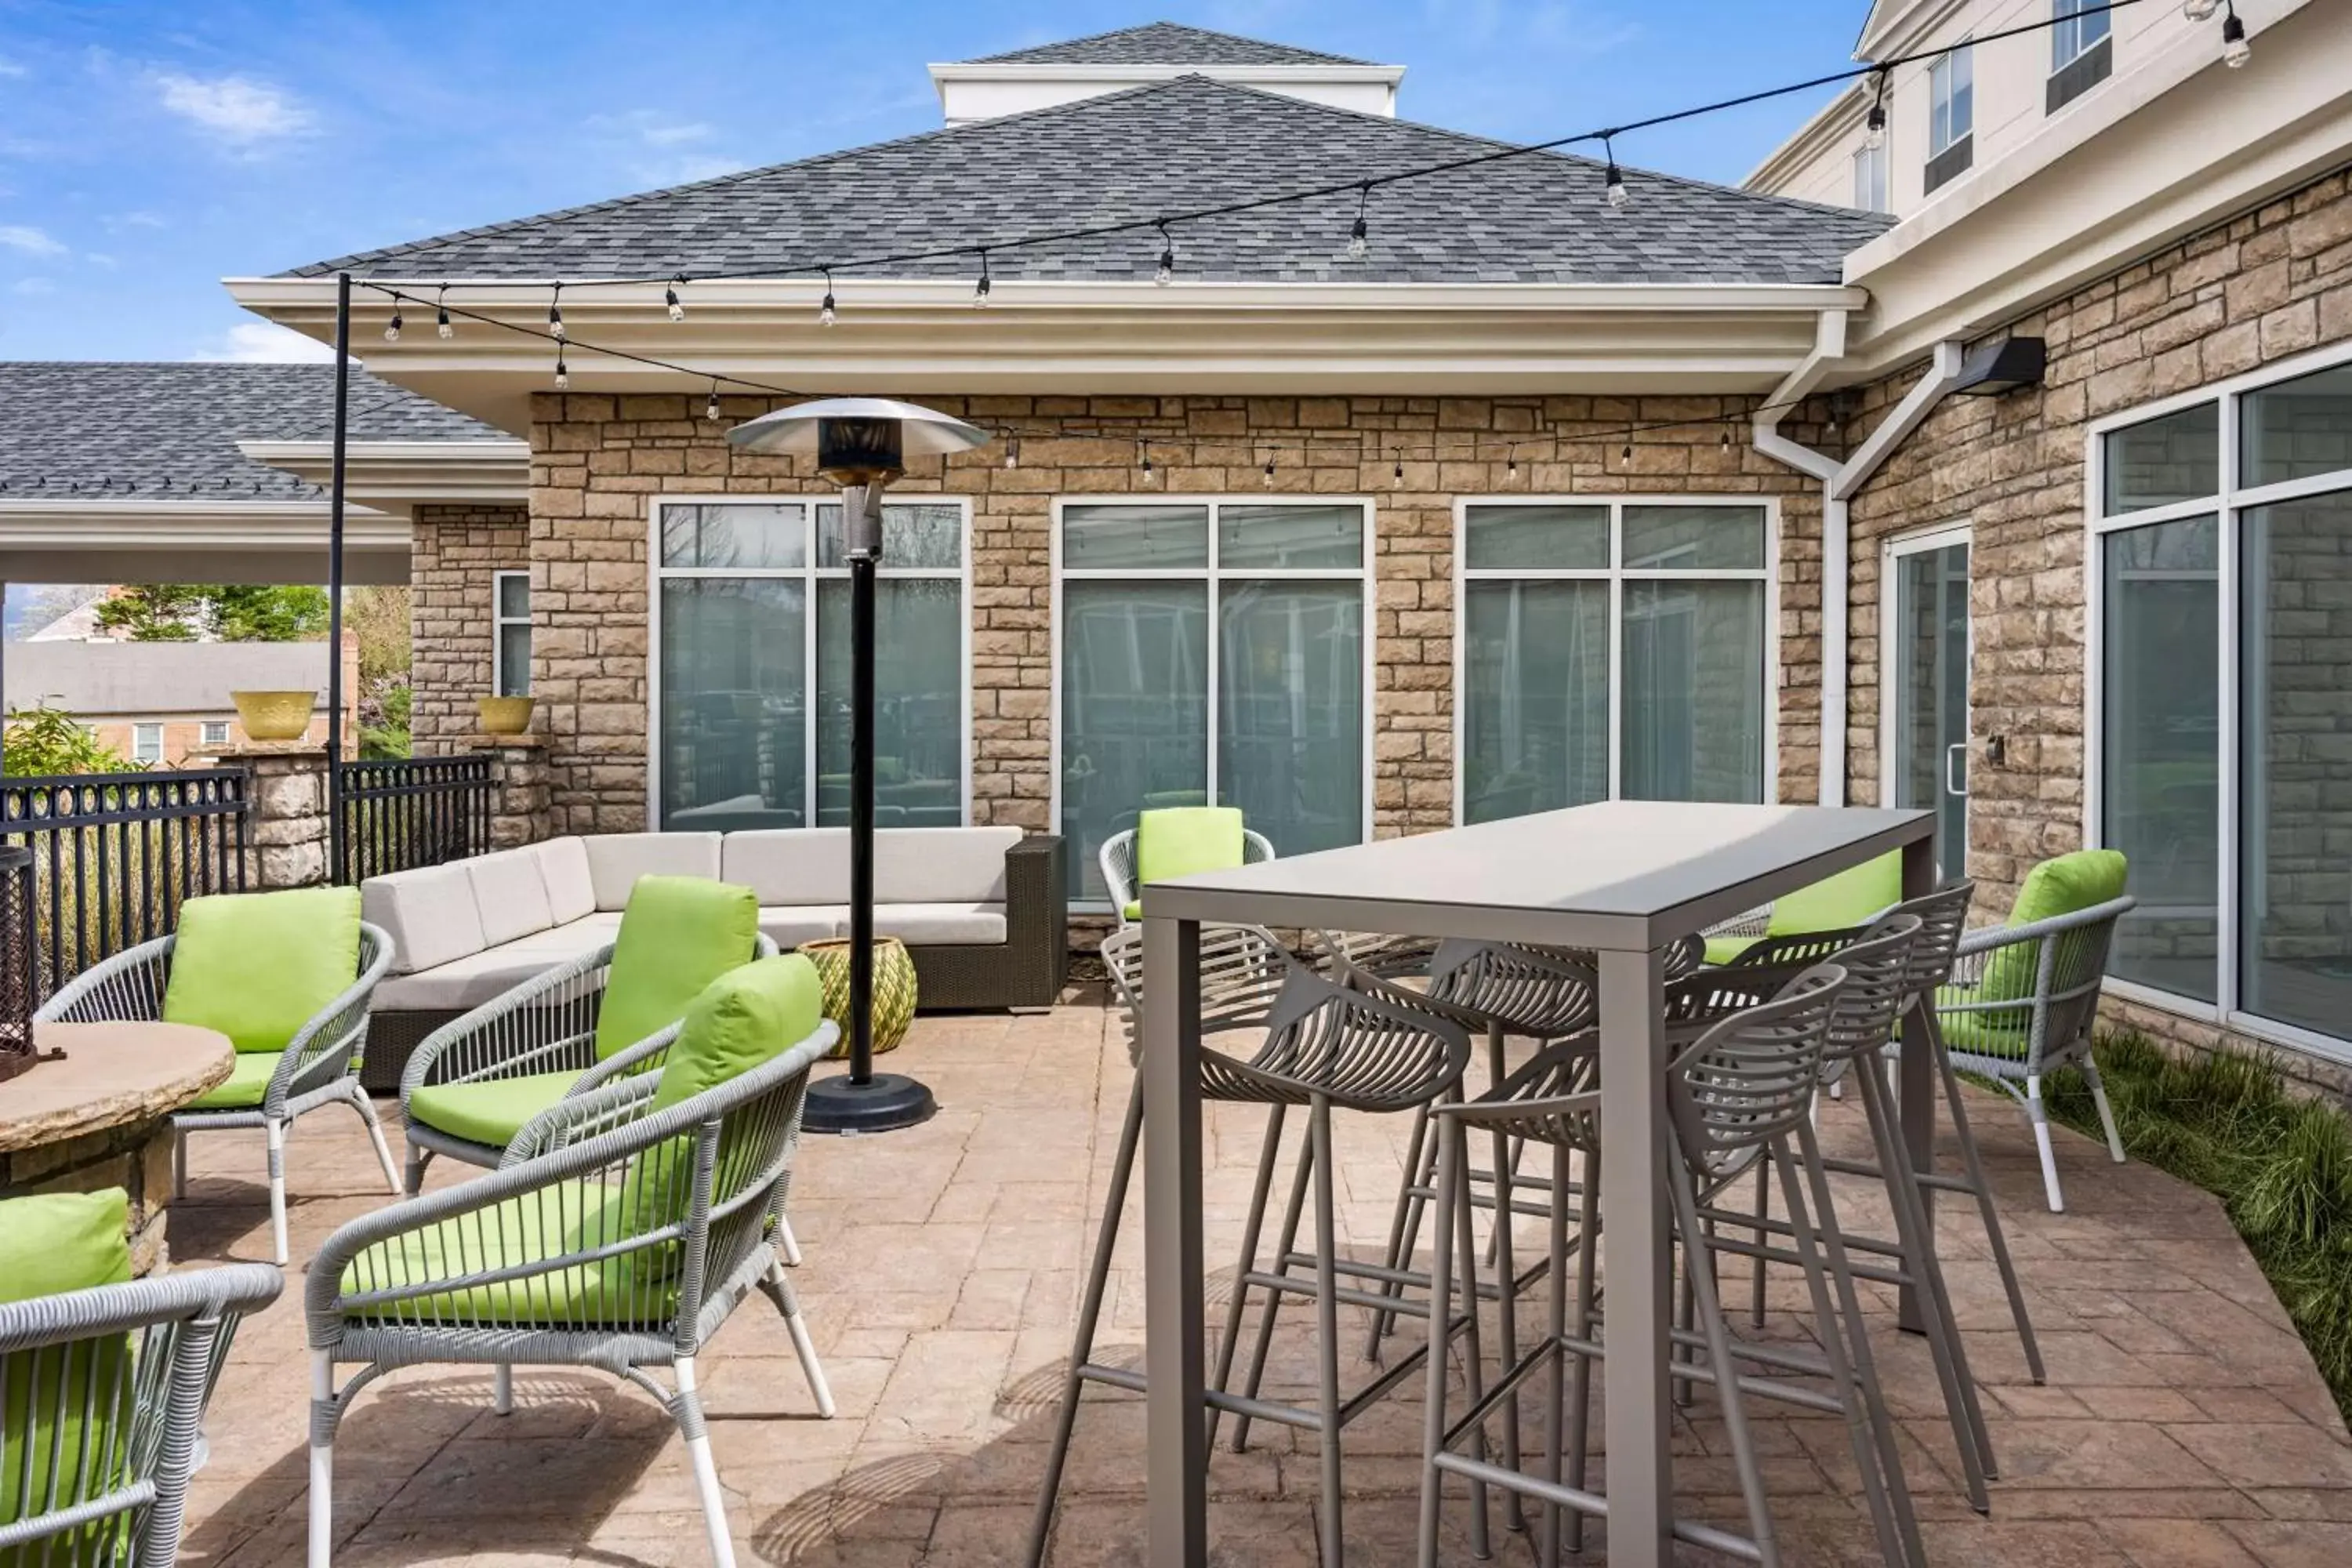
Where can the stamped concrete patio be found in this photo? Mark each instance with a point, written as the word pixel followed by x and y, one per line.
pixel 2183 1424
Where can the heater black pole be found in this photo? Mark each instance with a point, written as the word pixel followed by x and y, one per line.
pixel 335 580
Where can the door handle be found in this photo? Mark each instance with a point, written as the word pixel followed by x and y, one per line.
pixel 1957 750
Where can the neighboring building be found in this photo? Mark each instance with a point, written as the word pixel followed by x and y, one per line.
pixel 159 703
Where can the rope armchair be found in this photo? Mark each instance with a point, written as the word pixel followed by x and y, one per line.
pixel 129 1420
pixel 319 1067
pixel 1117 859
pixel 615 1234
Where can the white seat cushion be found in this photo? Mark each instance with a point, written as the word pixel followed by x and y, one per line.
pixel 510 894
pixel 563 867
pixel 790 865
pixel 935 924
pixel 789 925
pixel 429 913
pixel 471 981
pixel 941 865
pixel 616 860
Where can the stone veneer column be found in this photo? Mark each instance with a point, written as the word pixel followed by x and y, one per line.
pixel 286 838
pixel 519 796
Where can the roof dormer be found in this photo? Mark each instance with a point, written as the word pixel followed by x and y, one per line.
pixel 1049 74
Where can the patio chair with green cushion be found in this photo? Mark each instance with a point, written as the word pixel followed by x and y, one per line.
pixel 287 976
pixel 619 1234
pixel 476 1081
pixel 1847 901
pixel 2023 995
pixel 103 1380
pixel 1175 841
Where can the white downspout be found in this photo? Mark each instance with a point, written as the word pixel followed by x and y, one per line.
pixel 1840 480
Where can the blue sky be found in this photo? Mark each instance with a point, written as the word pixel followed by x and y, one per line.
pixel 148 150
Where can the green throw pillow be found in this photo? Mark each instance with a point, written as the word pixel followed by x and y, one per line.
pixel 1183 839
pixel 678 935
pixel 2065 885
pixel 48 1245
pixel 1836 903
pixel 258 967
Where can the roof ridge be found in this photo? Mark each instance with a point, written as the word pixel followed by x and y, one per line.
pixel 1011 57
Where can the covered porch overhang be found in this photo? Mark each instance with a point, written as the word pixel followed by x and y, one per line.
pixel 170 541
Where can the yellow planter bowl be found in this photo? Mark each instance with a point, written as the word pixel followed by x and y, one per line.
pixel 504 715
pixel 273 715
pixel 894 988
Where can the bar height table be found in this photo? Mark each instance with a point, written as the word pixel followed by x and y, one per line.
pixel 1623 878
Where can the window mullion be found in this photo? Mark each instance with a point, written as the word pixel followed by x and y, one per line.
pixel 2230 725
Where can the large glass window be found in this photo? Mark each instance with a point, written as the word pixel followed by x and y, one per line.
pixel 1951 99
pixel 2226 759
pixel 1870 178
pixel 752 668
pixel 1610 650
pixel 2079 24
pixel 510 634
pixel 1211 651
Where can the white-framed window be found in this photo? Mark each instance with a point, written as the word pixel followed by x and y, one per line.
pixel 510 634
pixel 1870 178
pixel 2079 26
pixel 751 667
pixel 216 733
pixel 1951 99
pixel 1611 648
pixel 1210 649
pixel 146 742
pixel 2219 697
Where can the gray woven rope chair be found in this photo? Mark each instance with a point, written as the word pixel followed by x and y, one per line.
pixel 109 1439
pixel 319 1067
pixel 1324 1044
pixel 617 1235
pixel 1117 860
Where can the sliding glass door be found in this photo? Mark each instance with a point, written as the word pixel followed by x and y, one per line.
pixel 1924 682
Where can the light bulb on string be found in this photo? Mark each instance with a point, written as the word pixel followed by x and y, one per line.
pixel 2235 50
pixel 392 328
pixel 1167 272
pixel 1270 470
pixel 1726 439
pixel 710 410
pixel 2200 10
pixel 1143 449
pixel 1626 455
pixel 670 298
pixel 1013 453
pixel 1511 463
pixel 979 290
pixel 1359 240
pixel 1613 182
pixel 825 313
pixel 1398 473
pixel 441 315
pixel 563 372
pixel 555 314
pixel 1876 122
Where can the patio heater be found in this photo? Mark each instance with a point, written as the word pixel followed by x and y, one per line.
pixel 860 443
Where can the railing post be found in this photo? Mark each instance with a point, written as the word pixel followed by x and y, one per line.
pixel 519 795
pixel 286 833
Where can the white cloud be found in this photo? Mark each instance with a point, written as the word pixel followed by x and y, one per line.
pixel 101 259
pixel 10 68
pixel 33 286
pixel 652 127
pixel 239 111
pixel 265 342
pixel 28 239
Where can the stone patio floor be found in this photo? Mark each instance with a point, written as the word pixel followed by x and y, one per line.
pixel 2183 1424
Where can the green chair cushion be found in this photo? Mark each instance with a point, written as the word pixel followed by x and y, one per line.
pixel 2065 885
pixel 677 934
pixel 259 966
pixel 1724 949
pixel 1181 840
pixel 635 1289
pixel 246 1086
pixel 64 1410
pixel 741 1020
pixel 490 1112
pixel 1837 903
pixel 2002 1033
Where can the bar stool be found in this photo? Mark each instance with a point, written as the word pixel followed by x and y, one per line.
pixel 1327 1044
pixel 1737 1094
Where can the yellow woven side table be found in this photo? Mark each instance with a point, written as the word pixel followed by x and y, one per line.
pixel 894 988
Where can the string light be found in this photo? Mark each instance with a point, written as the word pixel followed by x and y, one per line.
pixel 1726 439
pixel 1627 454
pixel 1359 243
pixel 2200 10
pixel 441 310
pixel 710 410
pixel 1876 139
pixel 825 316
pixel 1167 273
pixel 1613 183
pixel 1013 452
pixel 979 290
pixel 563 370
pixel 1143 449
pixel 2235 50
pixel 670 298
pixel 1397 475
pixel 1511 464
pixel 555 314
pixel 1270 470
pixel 392 328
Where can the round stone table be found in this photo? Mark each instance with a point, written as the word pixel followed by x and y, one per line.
pixel 101 1117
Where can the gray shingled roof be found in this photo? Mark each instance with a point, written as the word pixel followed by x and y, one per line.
pixel 1189 143
pixel 91 679
pixel 1163 44
pixel 79 429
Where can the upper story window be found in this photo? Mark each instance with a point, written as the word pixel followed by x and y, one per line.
pixel 147 744
pixel 2082 51
pixel 1870 178
pixel 1951 114
pixel 511 640
pixel 216 733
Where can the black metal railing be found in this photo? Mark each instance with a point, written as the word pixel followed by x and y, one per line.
pixel 115 855
pixel 413 811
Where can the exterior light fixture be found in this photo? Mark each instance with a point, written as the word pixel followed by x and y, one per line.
pixel 2235 50
pixel 1992 369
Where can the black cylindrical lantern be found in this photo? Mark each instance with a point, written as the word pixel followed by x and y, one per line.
pixel 16 999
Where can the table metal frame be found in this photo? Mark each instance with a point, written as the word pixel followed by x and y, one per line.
pixel 1669 871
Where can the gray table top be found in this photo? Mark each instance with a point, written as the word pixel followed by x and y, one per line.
pixel 1621 875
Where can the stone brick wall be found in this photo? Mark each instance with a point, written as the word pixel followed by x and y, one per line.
pixel 454 551
pixel 597 460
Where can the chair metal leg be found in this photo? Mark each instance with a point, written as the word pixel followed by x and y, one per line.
pixel 1253 1229
pixel 687 1409
pixel 1404 1223
pixel 1579 1397
pixel 779 1289
pixel 179 1163
pixel 1989 1215
pixel 1555 1392
pixel 788 1246
pixel 413 1178
pixel 366 1108
pixel 323 1420
pixel 277 1134
pixel 2106 1113
pixel 2040 1116
pixel 1441 1345
pixel 1718 1356
pixel 1507 1151
pixel 502 1389
pixel 1763 1213
pixel 1285 1246
pixel 1327 1331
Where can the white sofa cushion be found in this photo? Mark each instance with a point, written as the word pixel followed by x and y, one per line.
pixel 616 860
pixel 789 865
pixel 563 867
pixel 429 913
pixel 509 893
pixel 941 865
pixel 789 925
pixel 935 924
pixel 479 977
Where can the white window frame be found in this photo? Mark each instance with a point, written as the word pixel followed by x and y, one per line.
pixel 1941 136
pixel 2076 30
pixel 1215 574
pixel 2228 504
pixel 500 622
pixel 139 731
pixel 811 574
pixel 213 734
pixel 1617 575
pixel 1872 191
pixel 1940 537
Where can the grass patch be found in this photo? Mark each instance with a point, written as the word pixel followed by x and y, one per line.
pixel 2282 1166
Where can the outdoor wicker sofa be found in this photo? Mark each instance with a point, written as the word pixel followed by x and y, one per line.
pixel 984 912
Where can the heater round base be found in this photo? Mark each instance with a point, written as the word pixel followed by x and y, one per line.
pixel 884 1103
